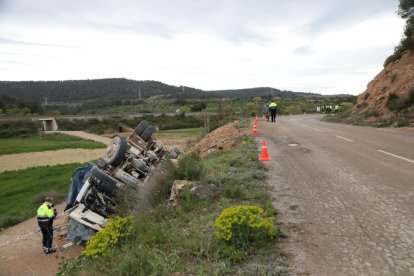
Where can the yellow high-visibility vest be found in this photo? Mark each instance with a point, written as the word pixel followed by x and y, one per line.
pixel 45 211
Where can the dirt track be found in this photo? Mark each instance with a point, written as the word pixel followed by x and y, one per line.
pixel 65 156
pixel 21 249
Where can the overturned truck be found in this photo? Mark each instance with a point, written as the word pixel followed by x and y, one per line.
pixel 126 161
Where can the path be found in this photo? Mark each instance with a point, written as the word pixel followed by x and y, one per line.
pixel 344 194
pixel 21 249
pixel 55 157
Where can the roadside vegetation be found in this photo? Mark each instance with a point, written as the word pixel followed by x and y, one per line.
pixel 197 236
pixel 22 191
pixel 36 143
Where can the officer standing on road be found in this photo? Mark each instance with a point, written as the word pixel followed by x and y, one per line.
pixel 45 216
pixel 272 108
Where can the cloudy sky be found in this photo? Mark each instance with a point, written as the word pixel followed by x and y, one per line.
pixel 321 46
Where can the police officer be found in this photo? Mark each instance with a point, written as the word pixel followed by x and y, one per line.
pixel 272 108
pixel 45 216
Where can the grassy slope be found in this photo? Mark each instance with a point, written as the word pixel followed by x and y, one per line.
pixel 181 239
pixel 45 142
pixel 21 191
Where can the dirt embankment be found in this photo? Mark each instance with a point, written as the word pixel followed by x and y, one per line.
pixel 396 80
pixel 220 139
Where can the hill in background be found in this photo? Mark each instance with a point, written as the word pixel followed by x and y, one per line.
pixel 124 89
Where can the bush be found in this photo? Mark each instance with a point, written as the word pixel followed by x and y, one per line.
pixel 190 167
pixel 244 226
pixel 113 234
pixel 10 129
pixel 395 103
pixel 392 58
pixel 410 99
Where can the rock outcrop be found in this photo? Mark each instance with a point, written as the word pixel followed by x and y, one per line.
pixel 394 83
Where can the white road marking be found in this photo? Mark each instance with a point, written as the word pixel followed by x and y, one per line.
pixel 303 125
pixel 346 139
pixel 317 129
pixel 397 156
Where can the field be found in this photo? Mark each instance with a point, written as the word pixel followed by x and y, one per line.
pixel 37 143
pixel 185 133
pixel 21 191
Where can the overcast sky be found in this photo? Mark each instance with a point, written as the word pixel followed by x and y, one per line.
pixel 321 46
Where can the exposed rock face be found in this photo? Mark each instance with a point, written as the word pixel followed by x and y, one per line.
pixel 397 78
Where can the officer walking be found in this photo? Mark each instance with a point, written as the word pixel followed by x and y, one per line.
pixel 45 216
pixel 272 108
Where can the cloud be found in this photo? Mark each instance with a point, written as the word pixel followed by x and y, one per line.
pixel 18 42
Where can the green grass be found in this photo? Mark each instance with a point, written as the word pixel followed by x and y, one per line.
pixel 181 239
pixel 45 142
pixel 186 132
pixel 21 191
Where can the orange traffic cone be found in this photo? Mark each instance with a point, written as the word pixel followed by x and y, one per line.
pixel 254 131
pixel 263 154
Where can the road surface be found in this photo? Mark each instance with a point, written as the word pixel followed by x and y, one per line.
pixel 345 196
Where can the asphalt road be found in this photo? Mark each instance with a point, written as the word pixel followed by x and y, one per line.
pixel 345 196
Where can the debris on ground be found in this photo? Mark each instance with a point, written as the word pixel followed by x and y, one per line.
pixel 177 187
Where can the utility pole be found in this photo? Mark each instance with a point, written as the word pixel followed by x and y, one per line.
pixel 139 93
pixel 45 100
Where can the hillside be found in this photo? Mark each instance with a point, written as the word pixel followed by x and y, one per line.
pixel 123 89
pixel 107 89
pixel 389 97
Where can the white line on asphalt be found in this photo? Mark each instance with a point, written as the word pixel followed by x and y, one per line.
pixel 317 129
pixel 397 156
pixel 303 125
pixel 346 139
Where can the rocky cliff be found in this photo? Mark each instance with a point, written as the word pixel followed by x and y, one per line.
pixel 389 97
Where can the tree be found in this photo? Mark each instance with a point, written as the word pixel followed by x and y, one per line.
pixel 406 11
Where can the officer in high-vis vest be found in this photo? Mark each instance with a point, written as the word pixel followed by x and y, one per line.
pixel 272 109
pixel 45 216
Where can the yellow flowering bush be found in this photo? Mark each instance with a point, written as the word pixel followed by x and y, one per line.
pixel 244 225
pixel 115 231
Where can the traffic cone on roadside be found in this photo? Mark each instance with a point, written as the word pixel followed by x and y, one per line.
pixel 254 131
pixel 263 155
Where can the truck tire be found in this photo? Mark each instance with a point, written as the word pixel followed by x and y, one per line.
pixel 146 135
pixel 115 152
pixel 141 127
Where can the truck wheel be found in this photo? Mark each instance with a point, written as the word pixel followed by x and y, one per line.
pixel 115 152
pixel 146 135
pixel 141 127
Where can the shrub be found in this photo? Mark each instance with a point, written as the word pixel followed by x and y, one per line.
pixel 410 99
pixel 10 129
pixel 190 167
pixel 392 58
pixel 244 226
pixel 113 234
pixel 395 103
